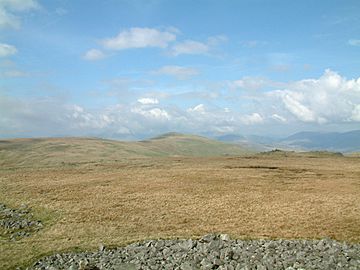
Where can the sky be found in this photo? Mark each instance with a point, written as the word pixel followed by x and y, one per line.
pixel 131 69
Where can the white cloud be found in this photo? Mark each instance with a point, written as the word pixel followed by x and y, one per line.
pixel 216 40
pixel 179 72
pixel 250 83
pixel 7 50
pixel 19 5
pixel 148 101
pixel 7 20
pixel 328 99
pixel 354 42
pixel 139 38
pixel 197 109
pixel 94 55
pixel 252 119
pixel 281 68
pixel 8 9
pixel 197 47
pixel 355 114
pixel 278 118
pixel 296 108
pixel 152 114
pixel 189 47
pixel 159 113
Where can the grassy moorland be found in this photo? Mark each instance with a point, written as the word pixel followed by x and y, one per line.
pixel 47 152
pixel 90 191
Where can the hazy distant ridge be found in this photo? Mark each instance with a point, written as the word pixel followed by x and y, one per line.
pixel 54 151
pixel 333 141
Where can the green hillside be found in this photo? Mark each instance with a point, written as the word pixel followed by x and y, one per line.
pixel 55 151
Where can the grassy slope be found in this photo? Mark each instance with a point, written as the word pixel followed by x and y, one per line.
pixel 55 151
pixel 259 196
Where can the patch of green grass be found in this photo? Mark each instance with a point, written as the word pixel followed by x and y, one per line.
pixel 19 252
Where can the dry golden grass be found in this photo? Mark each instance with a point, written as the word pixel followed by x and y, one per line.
pixel 262 196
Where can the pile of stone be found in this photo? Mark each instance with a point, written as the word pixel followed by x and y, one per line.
pixel 213 252
pixel 17 223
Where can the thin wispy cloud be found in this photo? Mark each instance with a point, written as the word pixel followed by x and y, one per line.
pixel 9 10
pixel 179 72
pixel 194 47
pixel 139 38
pixel 94 55
pixel 354 42
pixel 189 47
pixel 7 50
pixel 13 73
pixel 148 101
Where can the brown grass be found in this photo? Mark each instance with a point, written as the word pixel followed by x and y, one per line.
pixel 116 203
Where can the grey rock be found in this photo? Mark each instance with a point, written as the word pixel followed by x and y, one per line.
pixel 125 266
pixel 187 266
pixel 101 247
pixel 18 223
pixel 224 237
pixel 213 252
pixel 208 238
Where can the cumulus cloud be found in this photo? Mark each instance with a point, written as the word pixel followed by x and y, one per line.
pixel 179 72
pixel 139 38
pixel 9 9
pixel 252 119
pixel 94 55
pixel 355 114
pixel 148 101
pixel 293 103
pixel 354 42
pixel 328 99
pixel 152 114
pixel 7 50
pixel 51 117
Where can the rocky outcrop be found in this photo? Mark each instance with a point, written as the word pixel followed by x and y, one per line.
pixel 213 252
pixel 17 223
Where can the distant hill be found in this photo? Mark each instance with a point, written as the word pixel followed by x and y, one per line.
pixel 334 141
pixel 53 151
pixel 258 143
pixel 231 138
pixel 305 141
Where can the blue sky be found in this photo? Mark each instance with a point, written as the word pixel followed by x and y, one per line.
pixel 132 69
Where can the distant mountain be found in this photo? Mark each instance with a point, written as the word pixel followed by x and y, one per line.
pixel 308 141
pixel 55 151
pixel 332 141
pixel 258 143
pixel 231 138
